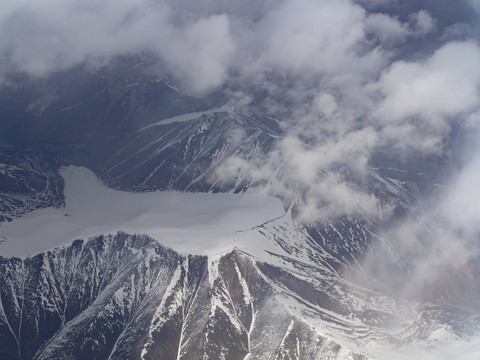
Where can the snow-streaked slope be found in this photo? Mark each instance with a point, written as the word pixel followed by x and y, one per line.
pixel 280 294
pixel 28 181
pixel 187 222
pixel 127 297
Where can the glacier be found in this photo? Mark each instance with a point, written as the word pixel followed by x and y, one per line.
pixel 193 223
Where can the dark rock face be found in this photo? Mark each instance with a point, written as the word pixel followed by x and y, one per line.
pixel 126 296
pixel 185 156
pixel 28 180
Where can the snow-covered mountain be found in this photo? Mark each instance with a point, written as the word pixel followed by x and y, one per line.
pixel 275 294
pixel 209 268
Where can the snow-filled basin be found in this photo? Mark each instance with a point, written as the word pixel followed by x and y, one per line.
pixel 194 223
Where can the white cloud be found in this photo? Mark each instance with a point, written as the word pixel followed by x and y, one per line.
pixel 309 34
pixel 46 36
pixel 420 100
pixel 460 209
pixel 386 28
pixel 200 53
pixel 457 31
pixel 422 23
pixel 326 104
pixel 444 85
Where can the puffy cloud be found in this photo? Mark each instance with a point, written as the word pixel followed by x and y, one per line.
pixel 388 29
pixel 51 35
pixel 391 31
pixel 200 53
pixel 460 208
pixel 421 100
pixel 444 85
pixel 315 177
pixel 422 23
pixel 200 42
pixel 311 35
pixel 457 31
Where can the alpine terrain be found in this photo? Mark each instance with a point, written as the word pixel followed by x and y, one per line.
pixel 213 180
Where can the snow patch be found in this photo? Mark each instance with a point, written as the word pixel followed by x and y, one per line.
pixel 189 116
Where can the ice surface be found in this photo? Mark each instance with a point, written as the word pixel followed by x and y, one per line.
pixel 191 223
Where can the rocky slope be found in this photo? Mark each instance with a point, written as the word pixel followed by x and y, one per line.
pixel 329 289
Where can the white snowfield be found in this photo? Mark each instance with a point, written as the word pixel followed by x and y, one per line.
pixel 192 223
